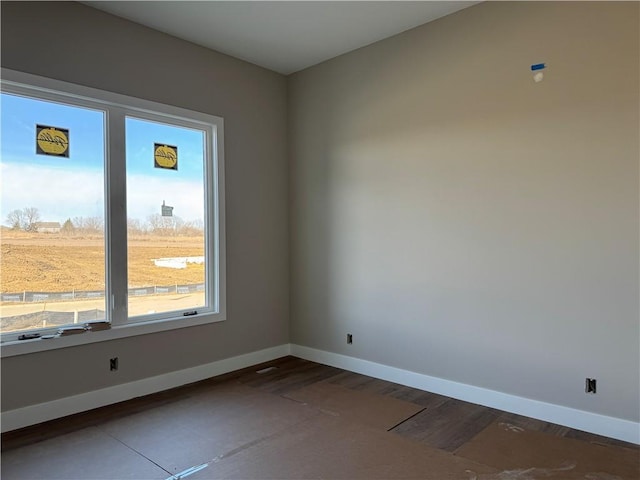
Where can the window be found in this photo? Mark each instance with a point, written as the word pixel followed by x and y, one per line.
pixel 167 273
pixel 111 210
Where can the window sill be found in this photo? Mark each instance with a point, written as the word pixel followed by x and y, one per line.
pixel 24 347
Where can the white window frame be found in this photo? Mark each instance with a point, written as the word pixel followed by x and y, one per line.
pixel 117 107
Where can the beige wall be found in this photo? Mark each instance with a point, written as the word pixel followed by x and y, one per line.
pixel 460 220
pixel 464 222
pixel 75 43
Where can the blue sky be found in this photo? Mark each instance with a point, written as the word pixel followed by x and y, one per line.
pixel 71 187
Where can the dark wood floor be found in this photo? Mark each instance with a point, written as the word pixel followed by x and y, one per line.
pixel 444 423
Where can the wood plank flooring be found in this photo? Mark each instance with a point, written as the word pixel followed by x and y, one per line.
pixel 443 423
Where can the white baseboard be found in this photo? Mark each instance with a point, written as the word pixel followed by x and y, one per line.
pixel 570 417
pixel 23 417
pixel 579 419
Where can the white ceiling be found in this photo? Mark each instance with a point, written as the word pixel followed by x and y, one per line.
pixel 284 36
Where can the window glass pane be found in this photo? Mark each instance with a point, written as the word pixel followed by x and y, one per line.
pixel 52 211
pixel 166 217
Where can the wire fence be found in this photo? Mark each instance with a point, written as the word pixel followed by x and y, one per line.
pixel 32 297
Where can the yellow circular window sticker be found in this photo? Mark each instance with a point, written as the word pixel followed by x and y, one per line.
pixel 52 141
pixel 165 156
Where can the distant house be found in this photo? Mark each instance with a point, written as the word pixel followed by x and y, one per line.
pixel 47 227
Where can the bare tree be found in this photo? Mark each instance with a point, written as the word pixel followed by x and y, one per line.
pixel 31 217
pixel 89 224
pixel 134 226
pixel 24 219
pixel 159 225
pixel 94 224
pixel 198 224
pixel 155 223
pixel 15 219
pixel 178 225
pixel 192 228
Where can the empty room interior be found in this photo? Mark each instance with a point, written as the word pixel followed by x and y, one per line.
pixel 331 240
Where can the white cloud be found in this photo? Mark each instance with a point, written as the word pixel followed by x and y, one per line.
pixel 59 195
pixel 146 194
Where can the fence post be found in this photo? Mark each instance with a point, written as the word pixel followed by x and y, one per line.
pixel 75 316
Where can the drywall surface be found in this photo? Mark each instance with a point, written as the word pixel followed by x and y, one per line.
pixel 465 222
pixel 75 43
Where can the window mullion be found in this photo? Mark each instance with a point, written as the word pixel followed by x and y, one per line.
pixel 116 234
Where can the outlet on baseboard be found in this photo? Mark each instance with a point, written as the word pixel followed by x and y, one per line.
pixel 590 385
pixel 349 339
pixel 113 363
